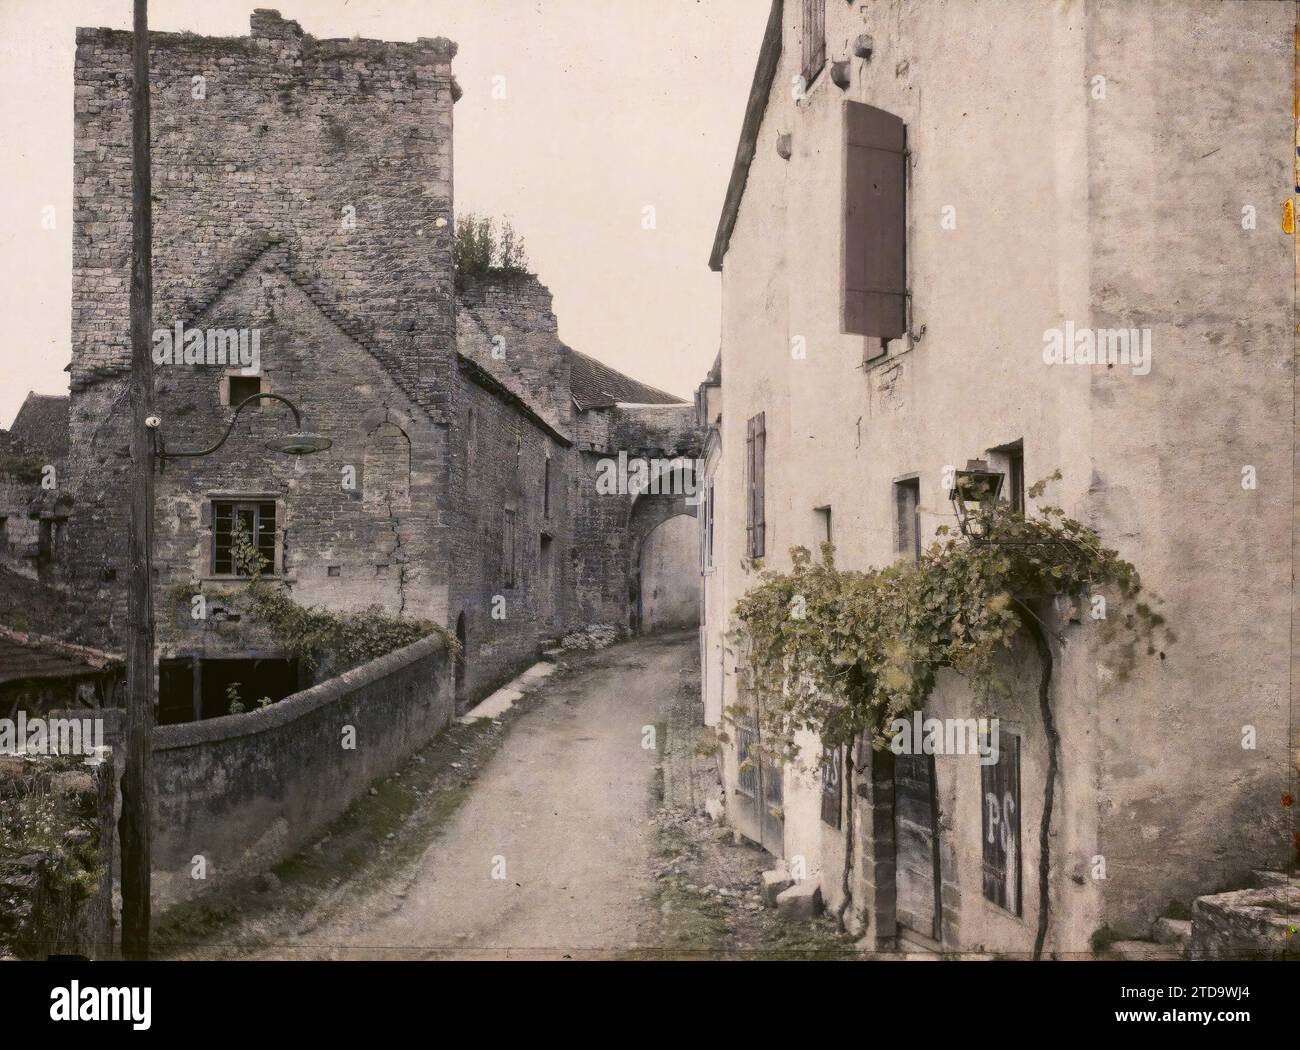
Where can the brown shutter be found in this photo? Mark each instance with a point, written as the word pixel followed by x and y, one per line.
pixel 749 486
pixel 760 478
pixel 875 228
pixel 1000 790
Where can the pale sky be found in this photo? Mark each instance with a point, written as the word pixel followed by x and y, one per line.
pixel 610 105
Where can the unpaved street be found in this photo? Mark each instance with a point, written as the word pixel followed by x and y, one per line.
pixel 549 855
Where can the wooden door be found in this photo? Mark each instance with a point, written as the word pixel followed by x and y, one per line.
pixel 916 839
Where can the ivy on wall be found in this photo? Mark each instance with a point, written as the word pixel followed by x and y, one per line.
pixel 844 652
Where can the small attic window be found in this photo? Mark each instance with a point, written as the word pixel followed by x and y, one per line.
pixel 242 388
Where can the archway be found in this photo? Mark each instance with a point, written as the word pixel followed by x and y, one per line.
pixel 668 586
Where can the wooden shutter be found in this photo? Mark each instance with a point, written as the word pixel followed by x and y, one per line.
pixel 1000 784
pixel 814 39
pixel 832 785
pixel 755 520
pixel 875 226
pixel 749 486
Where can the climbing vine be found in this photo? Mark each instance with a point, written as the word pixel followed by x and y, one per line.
pixel 844 652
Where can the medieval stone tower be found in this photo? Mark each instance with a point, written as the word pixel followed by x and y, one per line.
pixel 302 190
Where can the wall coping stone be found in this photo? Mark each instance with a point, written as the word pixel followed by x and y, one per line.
pixel 296 705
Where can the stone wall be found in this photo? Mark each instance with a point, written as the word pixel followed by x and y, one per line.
pixel 498 492
pixel 341 149
pixel 59 900
pixel 245 791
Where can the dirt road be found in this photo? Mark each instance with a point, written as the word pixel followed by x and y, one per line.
pixel 548 856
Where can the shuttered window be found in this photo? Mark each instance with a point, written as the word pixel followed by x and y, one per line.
pixel 814 38
pixel 755 520
pixel 1000 786
pixel 875 228
pixel 832 785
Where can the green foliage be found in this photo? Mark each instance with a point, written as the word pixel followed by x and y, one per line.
pixel 249 561
pixel 36 818
pixel 327 642
pixel 843 653
pixel 335 642
pixel 479 251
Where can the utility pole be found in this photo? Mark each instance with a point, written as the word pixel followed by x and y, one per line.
pixel 137 779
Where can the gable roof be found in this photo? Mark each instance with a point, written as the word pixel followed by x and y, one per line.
pixel 282 255
pixel 769 56
pixel 595 385
pixel 24 656
pixel 42 424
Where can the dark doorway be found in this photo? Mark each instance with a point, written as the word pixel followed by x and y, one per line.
pixel 460 662
pixel 917 840
pixel 176 700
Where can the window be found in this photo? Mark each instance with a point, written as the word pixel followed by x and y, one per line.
pixel 814 39
pixel 1016 478
pixel 244 387
pixel 1009 460
pixel 823 525
pixel 755 452
pixel 708 527
pixel 546 488
pixel 508 549
pixel 875 226
pixel 907 510
pixel 255 521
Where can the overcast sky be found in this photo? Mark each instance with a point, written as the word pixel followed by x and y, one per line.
pixel 610 105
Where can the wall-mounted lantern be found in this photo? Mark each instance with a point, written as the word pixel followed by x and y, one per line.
pixel 840 74
pixel 974 488
pixel 784 145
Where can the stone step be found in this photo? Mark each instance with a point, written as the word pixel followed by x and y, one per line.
pixel 800 902
pixel 1142 951
pixel 1246 924
pixel 551 655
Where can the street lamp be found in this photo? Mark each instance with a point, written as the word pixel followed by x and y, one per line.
pixel 973 489
pixel 298 442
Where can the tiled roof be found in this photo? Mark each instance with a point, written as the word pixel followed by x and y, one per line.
pixel 42 424
pixel 596 385
pixel 25 656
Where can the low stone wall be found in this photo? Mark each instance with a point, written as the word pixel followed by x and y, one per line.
pixel 236 795
pixel 56 889
pixel 1248 924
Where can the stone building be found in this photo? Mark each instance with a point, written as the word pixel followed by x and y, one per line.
pixel 33 512
pixel 303 223
pixel 923 194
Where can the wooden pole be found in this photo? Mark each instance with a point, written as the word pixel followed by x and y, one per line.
pixel 137 779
